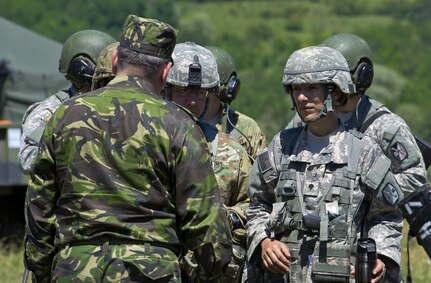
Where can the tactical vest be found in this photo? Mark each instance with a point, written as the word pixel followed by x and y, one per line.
pixel 323 239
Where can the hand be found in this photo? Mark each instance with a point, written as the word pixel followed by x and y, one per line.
pixel 275 256
pixel 378 272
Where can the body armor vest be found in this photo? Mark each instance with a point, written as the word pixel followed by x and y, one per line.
pixel 321 236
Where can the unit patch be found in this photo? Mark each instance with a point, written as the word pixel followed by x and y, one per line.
pixel 390 194
pixel 399 151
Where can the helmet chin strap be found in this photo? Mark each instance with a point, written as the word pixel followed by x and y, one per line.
pixel 207 104
pixel 328 103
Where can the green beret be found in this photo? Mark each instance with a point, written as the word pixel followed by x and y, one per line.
pixel 148 36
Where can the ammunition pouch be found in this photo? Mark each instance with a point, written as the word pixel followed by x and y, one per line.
pixel 331 263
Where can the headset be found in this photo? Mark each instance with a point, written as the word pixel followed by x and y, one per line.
pixel 363 76
pixel 228 92
pixel 81 70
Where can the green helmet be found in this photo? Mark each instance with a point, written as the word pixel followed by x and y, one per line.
pixel 194 66
pixel 354 48
pixel 88 43
pixel 225 63
pixel 358 55
pixel 318 65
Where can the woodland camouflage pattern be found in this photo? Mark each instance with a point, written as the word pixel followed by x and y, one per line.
pixel 231 168
pixel 384 219
pixel 103 72
pixel 122 163
pixel 33 124
pixel 148 36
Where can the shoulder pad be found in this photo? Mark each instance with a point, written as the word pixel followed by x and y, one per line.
pixel 63 95
pixel 356 133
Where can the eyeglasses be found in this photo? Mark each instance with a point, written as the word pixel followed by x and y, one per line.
pixel 199 93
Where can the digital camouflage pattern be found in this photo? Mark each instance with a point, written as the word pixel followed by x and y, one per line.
pixel 245 131
pixel 186 54
pixel 103 72
pixel 318 65
pixel 312 180
pixel 395 138
pixel 120 162
pixel 148 36
pixel 33 124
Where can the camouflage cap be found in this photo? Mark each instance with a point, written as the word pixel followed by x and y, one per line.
pixel 104 61
pixel 148 36
pixel 194 66
pixel 103 72
pixel 318 65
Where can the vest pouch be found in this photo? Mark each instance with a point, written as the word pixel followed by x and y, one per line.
pixel 331 263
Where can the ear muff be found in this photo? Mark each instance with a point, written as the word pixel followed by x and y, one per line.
pixel 81 70
pixel 363 76
pixel 229 92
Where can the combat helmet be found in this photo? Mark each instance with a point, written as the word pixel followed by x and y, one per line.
pixel 319 65
pixel 103 73
pixel 229 81
pixel 194 67
pixel 85 46
pixel 357 52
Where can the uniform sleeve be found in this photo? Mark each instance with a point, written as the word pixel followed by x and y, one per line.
pixel 262 197
pixel 384 219
pixel 39 214
pixel 204 224
pixel 399 145
pixel 33 125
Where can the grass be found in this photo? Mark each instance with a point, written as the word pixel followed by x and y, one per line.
pixel 11 263
pixel 12 268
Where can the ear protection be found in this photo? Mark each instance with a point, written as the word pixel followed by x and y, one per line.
pixel 363 76
pixel 229 92
pixel 81 70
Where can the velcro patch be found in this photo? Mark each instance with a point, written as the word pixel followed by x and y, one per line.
pixel 390 194
pixel 263 161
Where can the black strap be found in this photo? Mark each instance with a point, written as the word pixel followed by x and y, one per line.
pixel 370 120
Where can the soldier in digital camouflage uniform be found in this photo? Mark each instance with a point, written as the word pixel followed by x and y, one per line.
pixel 239 126
pixel 390 131
pixel 123 184
pixel 191 82
pixel 78 59
pixel 317 188
pixel 105 69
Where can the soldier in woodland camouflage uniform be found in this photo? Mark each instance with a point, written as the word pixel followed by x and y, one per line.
pixel 123 184
pixel 315 188
pixel 105 69
pixel 239 126
pixel 190 83
pixel 78 60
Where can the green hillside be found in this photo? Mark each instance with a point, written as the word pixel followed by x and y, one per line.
pixel 262 34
